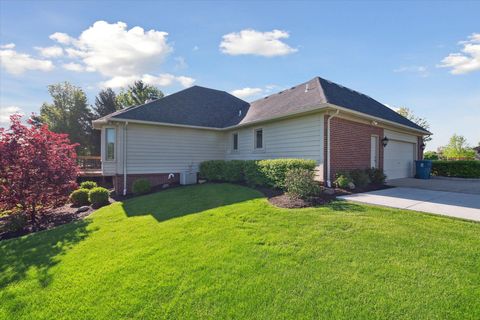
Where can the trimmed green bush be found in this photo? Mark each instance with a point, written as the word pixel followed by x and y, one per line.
pixel 275 170
pixel 141 186
pixel 79 197
pixel 376 175
pixel 269 173
pixel 98 196
pixel 360 178
pixel 213 170
pixel 15 222
pixel 88 185
pixel 460 168
pixel 233 171
pixel 342 181
pixel 253 176
pixel 300 183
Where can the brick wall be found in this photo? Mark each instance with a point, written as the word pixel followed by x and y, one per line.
pixel 350 145
pixel 420 150
pixel 155 179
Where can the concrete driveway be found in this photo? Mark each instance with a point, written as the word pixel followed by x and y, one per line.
pixel 416 196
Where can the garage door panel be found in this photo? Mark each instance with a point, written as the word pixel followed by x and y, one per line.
pixel 398 159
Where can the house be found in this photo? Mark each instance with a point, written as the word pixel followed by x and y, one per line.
pixel 477 152
pixel 339 128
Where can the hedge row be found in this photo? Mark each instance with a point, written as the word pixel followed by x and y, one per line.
pixel 270 173
pixel 460 168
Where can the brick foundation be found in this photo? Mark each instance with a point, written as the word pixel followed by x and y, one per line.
pixel 155 179
pixel 350 145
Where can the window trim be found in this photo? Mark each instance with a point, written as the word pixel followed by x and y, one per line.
pixel 255 130
pixel 105 155
pixel 233 141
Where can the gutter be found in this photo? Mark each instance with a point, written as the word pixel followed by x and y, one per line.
pixel 329 182
pixel 125 158
pixel 312 109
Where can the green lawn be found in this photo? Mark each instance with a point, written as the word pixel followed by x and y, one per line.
pixel 221 251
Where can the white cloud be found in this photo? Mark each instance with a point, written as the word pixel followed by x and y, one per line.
pixel 17 63
pixel 421 71
pixel 7 46
pixel 61 37
pixel 249 41
pixel 72 66
pixel 246 92
pixel 6 112
pixel 161 80
pixel 114 51
pixel 50 52
pixel 180 63
pixel 468 60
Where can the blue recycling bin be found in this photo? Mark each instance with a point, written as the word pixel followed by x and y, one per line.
pixel 423 169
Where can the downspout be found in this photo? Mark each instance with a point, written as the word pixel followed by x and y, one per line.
pixel 125 158
pixel 329 182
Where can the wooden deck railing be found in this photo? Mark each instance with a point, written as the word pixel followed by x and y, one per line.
pixel 89 163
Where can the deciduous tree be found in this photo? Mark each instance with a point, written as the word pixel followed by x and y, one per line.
pixel 138 94
pixel 422 122
pixel 37 168
pixel 458 148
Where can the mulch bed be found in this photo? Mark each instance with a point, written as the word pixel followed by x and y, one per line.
pixel 53 218
pixel 280 199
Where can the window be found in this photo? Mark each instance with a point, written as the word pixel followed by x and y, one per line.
pixel 258 138
pixel 235 141
pixel 110 144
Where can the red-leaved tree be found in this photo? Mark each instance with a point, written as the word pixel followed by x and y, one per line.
pixel 38 168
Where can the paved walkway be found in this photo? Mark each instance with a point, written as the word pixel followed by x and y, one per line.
pixel 440 184
pixel 453 204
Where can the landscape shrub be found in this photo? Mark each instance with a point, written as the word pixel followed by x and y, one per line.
pixel 460 168
pixel 141 186
pixel 274 171
pixel 79 197
pixel 233 171
pixel 376 176
pixel 342 181
pixel 98 196
pixel 252 175
pixel 270 173
pixel 213 170
pixel 359 177
pixel 300 183
pixel 88 185
pixel 16 221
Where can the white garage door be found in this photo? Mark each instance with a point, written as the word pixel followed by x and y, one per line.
pixel 398 159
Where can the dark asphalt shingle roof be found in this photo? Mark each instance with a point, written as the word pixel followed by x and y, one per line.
pixel 195 106
pixel 204 107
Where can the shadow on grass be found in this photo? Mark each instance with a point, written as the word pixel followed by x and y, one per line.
pixel 181 201
pixel 342 205
pixel 39 251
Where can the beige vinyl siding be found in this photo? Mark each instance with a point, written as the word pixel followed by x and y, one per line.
pixel 300 137
pixel 163 149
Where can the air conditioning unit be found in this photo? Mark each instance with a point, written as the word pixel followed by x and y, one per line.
pixel 188 177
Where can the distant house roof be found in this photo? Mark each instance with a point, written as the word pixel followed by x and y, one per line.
pixel 204 107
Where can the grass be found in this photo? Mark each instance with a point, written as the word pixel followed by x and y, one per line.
pixel 221 251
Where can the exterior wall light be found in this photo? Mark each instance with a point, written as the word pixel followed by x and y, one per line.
pixel 385 141
pixel 423 146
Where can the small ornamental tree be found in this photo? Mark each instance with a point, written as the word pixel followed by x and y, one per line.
pixel 37 168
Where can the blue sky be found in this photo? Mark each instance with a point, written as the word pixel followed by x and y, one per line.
pixel 392 51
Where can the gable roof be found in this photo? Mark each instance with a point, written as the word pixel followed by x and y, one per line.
pixel 203 107
pixel 195 106
pixel 316 92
